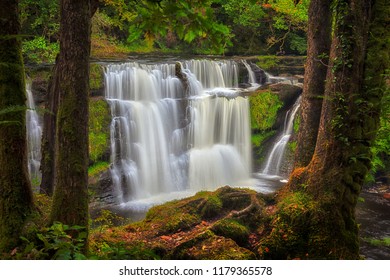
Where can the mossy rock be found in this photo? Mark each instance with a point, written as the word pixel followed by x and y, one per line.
pixel 212 207
pixel 171 217
pixel 180 221
pixel 234 199
pixel 232 229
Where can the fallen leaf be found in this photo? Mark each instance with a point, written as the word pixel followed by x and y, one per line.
pixel 165 237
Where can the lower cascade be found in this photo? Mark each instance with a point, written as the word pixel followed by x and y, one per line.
pixel 170 134
pixel 275 157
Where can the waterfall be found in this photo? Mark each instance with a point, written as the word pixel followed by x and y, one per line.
pixel 34 133
pixel 167 139
pixel 274 159
pixel 252 77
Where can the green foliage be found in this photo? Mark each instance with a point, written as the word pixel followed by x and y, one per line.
pixel 39 50
pixel 263 109
pixel 107 219
pixel 268 62
pixel 40 25
pixel 296 13
pixel 296 123
pixel 292 146
pixel 96 76
pixel 247 13
pixel 257 139
pixel 97 168
pixel 99 132
pixel 381 147
pixel 56 243
pixel 106 250
pixel 40 17
pixel 297 43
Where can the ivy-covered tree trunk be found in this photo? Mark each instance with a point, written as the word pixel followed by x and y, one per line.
pixel 319 38
pixel 15 190
pixel 70 200
pixel 316 214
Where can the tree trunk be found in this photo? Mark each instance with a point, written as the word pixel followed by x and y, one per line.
pixel 49 126
pixel 318 37
pixel 15 189
pixel 316 215
pixel 70 200
pixel 48 136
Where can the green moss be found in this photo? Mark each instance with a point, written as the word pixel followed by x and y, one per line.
pixel 172 216
pixel 292 146
pixel 98 168
pixel 235 199
pixel 99 129
pixel 96 76
pixel 257 139
pixel 211 208
pixel 288 238
pixel 264 106
pixel 379 242
pixel 181 221
pixel 232 229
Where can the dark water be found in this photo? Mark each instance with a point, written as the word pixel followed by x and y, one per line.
pixel 373 216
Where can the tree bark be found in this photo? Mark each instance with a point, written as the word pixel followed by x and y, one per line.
pixel 316 215
pixel 70 200
pixel 319 38
pixel 49 126
pixel 48 136
pixel 16 200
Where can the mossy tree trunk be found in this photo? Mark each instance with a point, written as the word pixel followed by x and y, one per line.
pixel 48 136
pixel 15 189
pixel 50 125
pixel 70 199
pixel 321 222
pixel 319 38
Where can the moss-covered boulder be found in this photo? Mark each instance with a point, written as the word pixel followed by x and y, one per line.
pixel 232 229
pixel 223 224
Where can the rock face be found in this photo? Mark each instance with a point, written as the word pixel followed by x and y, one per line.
pixel 223 224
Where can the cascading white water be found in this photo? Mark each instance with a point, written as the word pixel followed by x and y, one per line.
pixel 166 139
pixel 252 78
pixel 34 133
pixel 274 159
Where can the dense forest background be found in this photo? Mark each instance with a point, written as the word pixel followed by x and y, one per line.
pixel 192 27
pixel 346 111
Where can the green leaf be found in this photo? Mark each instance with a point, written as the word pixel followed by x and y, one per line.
pixel 190 36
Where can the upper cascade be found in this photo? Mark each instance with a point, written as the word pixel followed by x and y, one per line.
pixel 167 136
